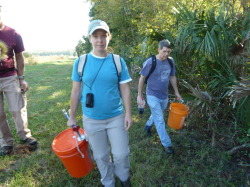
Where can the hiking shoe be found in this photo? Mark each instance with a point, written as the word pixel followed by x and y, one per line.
pixel 169 150
pixel 126 183
pixel 6 150
pixel 30 141
pixel 148 130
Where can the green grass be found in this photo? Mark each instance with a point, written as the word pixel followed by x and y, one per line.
pixel 195 162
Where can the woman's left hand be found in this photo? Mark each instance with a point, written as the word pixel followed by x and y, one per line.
pixel 128 122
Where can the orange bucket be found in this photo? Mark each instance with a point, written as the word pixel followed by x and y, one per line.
pixel 177 115
pixel 74 154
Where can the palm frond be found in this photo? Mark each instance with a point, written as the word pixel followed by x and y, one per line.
pixel 240 90
pixel 203 96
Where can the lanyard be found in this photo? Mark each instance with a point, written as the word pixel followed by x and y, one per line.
pixel 95 75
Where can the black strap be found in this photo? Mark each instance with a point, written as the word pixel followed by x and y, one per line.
pixel 7 70
pixel 152 68
pixel 95 75
pixel 170 63
pixel 154 65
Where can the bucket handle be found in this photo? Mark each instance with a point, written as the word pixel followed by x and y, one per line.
pixel 77 146
pixel 176 101
pixel 75 128
pixel 182 121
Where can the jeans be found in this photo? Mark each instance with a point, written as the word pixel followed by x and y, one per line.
pixel 107 136
pixel 157 107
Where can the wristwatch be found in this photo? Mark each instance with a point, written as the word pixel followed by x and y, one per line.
pixel 21 77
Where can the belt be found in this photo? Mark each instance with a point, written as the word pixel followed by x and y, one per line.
pixel 7 70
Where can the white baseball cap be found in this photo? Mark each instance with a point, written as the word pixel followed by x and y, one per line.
pixel 97 24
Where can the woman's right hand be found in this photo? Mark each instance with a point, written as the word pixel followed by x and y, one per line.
pixel 71 121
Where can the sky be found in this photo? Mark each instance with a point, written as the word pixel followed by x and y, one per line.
pixel 47 25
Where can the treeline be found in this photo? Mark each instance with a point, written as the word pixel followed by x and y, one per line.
pixel 211 50
pixel 52 53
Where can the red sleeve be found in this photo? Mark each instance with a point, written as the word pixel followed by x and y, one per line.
pixel 19 44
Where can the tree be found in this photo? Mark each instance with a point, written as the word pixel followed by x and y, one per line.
pixel 83 46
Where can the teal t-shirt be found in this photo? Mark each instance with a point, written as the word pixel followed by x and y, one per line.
pixel 100 78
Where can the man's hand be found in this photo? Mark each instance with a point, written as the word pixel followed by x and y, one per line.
pixel 178 96
pixel 140 100
pixel 24 85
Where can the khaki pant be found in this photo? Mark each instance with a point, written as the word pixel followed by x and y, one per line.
pixel 105 136
pixel 16 100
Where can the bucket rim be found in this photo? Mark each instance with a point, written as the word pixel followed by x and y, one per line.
pixel 71 150
pixel 171 105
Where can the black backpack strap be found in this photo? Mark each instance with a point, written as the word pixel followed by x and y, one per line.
pixel 152 68
pixel 170 63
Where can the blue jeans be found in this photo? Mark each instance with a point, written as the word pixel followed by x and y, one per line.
pixel 157 106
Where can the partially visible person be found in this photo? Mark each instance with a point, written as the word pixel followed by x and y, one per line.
pixel 13 88
pixel 104 92
pixel 157 91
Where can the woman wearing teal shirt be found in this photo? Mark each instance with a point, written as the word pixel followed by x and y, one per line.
pixel 105 121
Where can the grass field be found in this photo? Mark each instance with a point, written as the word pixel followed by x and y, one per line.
pixel 195 162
